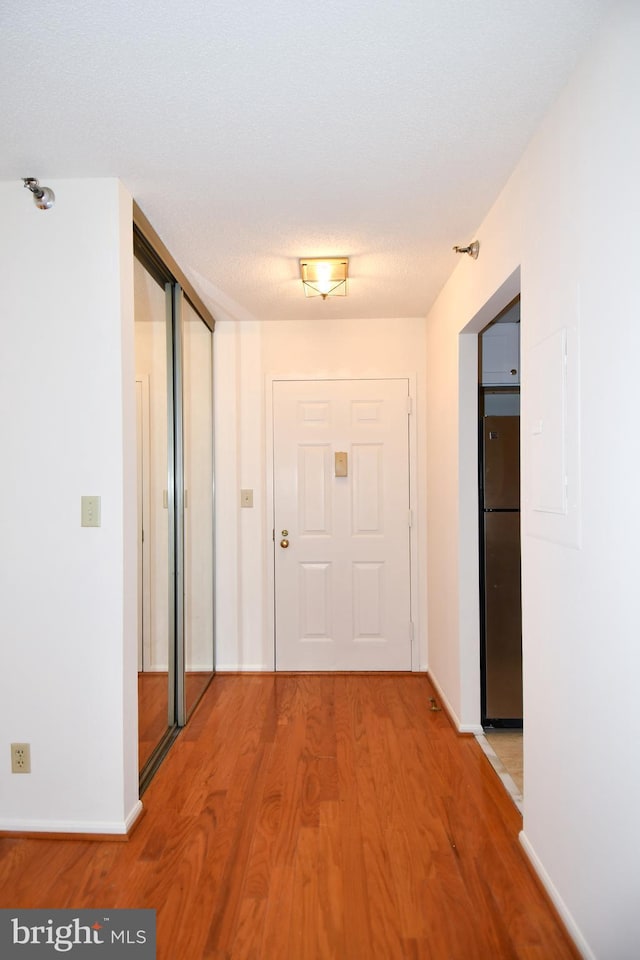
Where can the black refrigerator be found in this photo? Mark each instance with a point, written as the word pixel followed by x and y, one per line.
pixel 501 634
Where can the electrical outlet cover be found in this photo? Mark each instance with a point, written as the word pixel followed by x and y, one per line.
pixel 20 758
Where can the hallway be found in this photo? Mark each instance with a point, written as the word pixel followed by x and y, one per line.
pixel 301 817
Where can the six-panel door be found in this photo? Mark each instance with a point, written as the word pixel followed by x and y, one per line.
pixel 342 573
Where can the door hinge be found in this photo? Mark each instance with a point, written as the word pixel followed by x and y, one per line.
pixel 273 535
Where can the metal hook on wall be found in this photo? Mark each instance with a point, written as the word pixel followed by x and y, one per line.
pixel 43 197
pixel 472 249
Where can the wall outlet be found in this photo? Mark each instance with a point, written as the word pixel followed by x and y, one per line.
pixel 20 758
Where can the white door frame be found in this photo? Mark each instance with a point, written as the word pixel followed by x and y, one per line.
pixel 270 379
pixel 469 527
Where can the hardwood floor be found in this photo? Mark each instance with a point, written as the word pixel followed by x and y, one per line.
pixel 313 817
pixel 153 699
pixel 153 712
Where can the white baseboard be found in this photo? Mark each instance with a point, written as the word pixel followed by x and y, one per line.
pixel 572 927
pixel 113 828
pixel 474 728
pixel 192 668
pixel 243 668
pixel 136 812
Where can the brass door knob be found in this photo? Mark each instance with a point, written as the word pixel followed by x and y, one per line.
pixel 284 544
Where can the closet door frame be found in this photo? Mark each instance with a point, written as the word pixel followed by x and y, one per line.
pixel 156 259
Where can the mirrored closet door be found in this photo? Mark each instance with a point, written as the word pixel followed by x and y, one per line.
pixel 197 442
pixel 156 706
pixel 174 390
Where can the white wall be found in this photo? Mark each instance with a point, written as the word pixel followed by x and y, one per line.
pixel 68 611
pixel 247 355
pixel 563 226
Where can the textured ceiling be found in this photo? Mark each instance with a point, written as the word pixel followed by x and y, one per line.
pixel 254 133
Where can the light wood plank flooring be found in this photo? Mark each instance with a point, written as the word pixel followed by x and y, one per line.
pixel 313 817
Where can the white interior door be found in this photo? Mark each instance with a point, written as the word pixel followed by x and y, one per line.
pixel 342 551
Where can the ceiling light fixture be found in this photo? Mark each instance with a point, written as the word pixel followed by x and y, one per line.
pixel 324 276
pixel 473 249
pixel 43 197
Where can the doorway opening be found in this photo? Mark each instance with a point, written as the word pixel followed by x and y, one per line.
pixel 499 539
pixel 499 502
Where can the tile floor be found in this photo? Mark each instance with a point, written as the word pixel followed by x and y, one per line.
pixel 503 749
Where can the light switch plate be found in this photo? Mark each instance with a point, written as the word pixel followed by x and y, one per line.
pixel 90 514
pixel 246 498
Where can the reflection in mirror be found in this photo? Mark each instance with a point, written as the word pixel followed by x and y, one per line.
pixel 197 360
pixel 155 704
